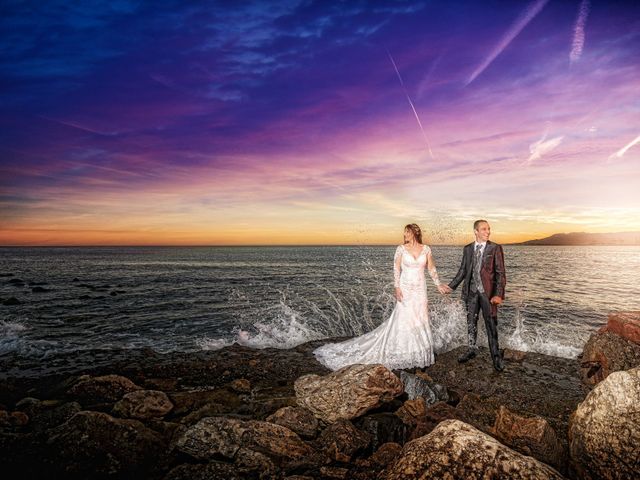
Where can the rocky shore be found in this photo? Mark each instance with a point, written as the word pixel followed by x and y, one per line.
pixel 242 413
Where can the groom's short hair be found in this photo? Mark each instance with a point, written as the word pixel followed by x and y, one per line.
pixel 477 223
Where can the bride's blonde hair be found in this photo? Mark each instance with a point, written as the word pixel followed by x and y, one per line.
pixel 415 229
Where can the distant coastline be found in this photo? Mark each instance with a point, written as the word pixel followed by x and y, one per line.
pixel 583 239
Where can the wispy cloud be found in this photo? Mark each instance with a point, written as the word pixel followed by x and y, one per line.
pixel 577 44
pixel 522 21
pixel 620 153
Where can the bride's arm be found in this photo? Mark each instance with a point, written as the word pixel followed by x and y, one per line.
pixel 431 266
pixel 397 267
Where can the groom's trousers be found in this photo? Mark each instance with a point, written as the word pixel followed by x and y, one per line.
pixel 479 302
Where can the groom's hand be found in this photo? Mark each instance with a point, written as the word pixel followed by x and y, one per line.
pixel 496 300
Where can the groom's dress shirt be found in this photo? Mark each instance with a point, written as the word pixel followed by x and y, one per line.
pixel 482 245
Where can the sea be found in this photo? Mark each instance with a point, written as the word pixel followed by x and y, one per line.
pixel 188 299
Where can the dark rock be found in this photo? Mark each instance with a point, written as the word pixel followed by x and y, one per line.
pixel 241 385
pixel 531 436
pixel 164 384
pixel 605 353
pixel 50 418
pixel 334 472
pixel 383 428
pixel 214 437
pixel 209 471
pixel 207 410
pixel 347 393
pixel 342 440
pixel 458 451
pixel 412 411
pixel 190 401
pixel 143 404
pixel 297 419
pixel 386 454
pixel 479 411
pixel 93 444
pixel 12 301
pixel 514 355
pixel 422 385
pixel 104 389
pixel 604 432
pixel 434 415
pixel 40 290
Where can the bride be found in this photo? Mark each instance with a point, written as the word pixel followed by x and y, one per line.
pixel 404 340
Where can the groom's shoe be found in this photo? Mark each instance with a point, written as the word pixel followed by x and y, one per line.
pixel 470 353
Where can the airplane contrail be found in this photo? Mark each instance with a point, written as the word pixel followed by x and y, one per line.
pixel 578 32
pixel 620 153
pixel 525 17
pixel 415 113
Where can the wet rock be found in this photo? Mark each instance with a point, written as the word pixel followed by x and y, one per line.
pixel 241 385
pixel 456 450
pixel 207 471
pixel 297 419
pixel 334 472
pixel 422 385
pixel 187 402
pixel 50 418
pixel 104 389
pixel 412 411
pixel 434 415
pixel 386 454
pixel 30 405
pixel 604 431
pixel 213 437
pixel 531 436
pixel 12 301
pixel 383 428
pixel 624 324
pixel 164 384
pixel 207 410
pixel 253 461
pixel 18 419
pixel 342 440
pixel 605 353
pixel 94 444
pixel 347 393
pixel 479 411
pixel 143 404
pixel 511 355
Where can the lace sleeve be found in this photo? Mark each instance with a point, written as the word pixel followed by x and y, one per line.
pixel 397 266
pixel 431 266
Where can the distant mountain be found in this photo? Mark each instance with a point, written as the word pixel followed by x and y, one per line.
pixel 582 238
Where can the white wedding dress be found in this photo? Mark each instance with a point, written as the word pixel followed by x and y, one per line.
pixel 404 340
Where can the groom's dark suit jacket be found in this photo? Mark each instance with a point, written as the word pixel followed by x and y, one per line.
pixel 492 272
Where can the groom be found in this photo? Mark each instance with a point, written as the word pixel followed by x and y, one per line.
pixel 483 272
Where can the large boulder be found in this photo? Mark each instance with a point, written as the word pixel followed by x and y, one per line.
pixel 456 450
pixel 530 436
pixel 624 324
pixel 96 445
pixel 607 352
pixel 213 437
pixel 347 393
pixel 143 405
pixel 297 419
pixel 104 389
pixel 604 431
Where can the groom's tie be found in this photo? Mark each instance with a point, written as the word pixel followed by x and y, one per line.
pixel 477 264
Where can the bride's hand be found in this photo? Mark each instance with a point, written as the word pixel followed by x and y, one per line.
pixel 444 289
pixel 398 294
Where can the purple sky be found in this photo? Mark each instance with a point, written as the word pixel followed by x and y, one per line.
pixel 286 122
